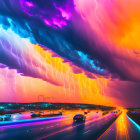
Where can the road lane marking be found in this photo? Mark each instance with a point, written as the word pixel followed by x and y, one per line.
pixel 86 132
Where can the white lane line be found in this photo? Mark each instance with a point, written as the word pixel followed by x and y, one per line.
pixel 86 132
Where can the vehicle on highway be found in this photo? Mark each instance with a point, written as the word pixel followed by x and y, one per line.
pixel 60 112
pixel 105 112
pixel 114 111
pixel 85 113
pixel 36 115
pixel 79 118
pixel 5 117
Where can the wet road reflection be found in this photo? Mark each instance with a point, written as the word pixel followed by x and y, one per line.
pixel 35 130
pixel 122 129
pixel 121 125
pixel 65 129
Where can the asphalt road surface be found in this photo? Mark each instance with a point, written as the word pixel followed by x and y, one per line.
pixel 61 128
pixel 122 129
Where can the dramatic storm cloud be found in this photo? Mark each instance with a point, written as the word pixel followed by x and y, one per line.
pixel 96 41
pixel 28 22
pixel 20 54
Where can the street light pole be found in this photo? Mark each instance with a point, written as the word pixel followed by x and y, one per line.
pixel 43 100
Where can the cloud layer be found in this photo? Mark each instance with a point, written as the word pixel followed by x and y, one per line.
pixel 97 38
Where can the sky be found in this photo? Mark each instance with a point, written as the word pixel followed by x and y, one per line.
pixel 73 51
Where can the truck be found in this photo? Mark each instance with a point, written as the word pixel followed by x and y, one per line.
pixel 5 117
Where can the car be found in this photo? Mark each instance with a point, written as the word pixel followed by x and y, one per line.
pixel 85 112
pixel 79 118
pixel 35 115
pixel 114 111
pixel 105 112
pixel 60 112
pixel 1 118
pixel 5 117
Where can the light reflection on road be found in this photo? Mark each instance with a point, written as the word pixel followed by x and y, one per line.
pixel 122 127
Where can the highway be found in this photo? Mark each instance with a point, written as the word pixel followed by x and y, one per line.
pixel 122 129
pixel 60 128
